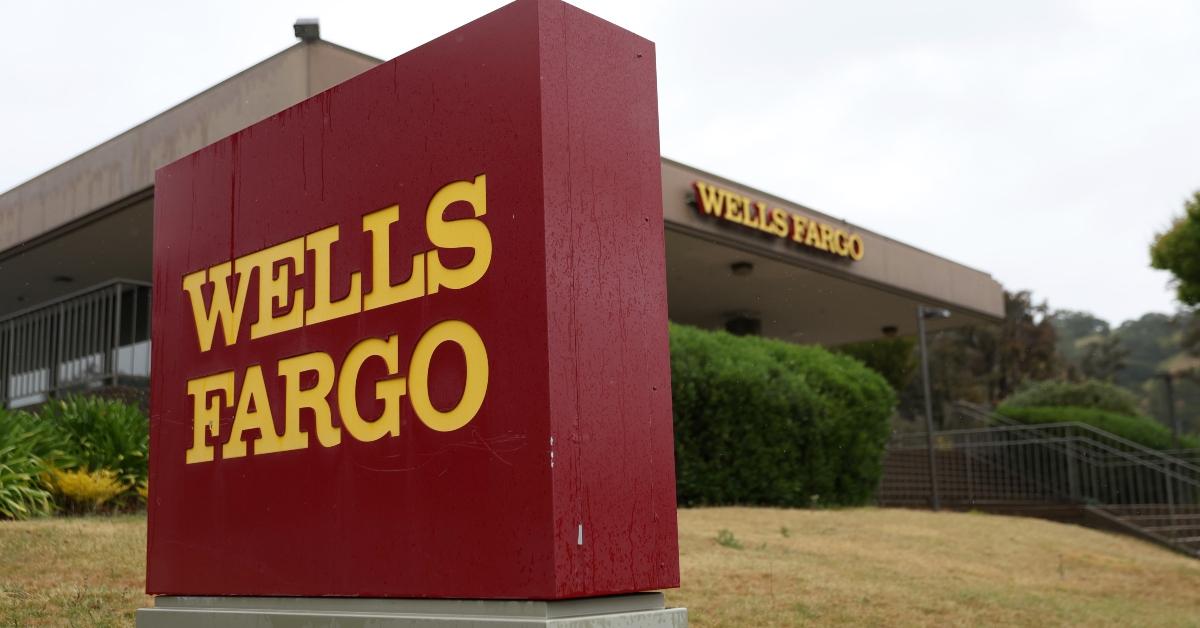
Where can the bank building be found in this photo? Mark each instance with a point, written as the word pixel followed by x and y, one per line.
pixel 76 280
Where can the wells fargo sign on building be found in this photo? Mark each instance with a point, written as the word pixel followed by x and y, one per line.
pixel 410 334
pixel 718 202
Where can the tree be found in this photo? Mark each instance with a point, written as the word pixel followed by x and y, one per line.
pixel 986 363
pixel 1027 348
pixel 1103 358
pixel 1177 250
pixel 1074 330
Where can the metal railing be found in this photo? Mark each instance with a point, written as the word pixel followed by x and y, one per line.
pixel 96 337
pixel 1068 462
pixel 1007 466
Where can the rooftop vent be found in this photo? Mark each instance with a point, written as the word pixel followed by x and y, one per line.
pixel 307 29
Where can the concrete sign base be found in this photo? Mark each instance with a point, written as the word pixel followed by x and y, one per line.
pixel 637 610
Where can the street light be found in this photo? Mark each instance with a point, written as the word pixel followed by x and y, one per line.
pixel 923 314
pixel 1169 392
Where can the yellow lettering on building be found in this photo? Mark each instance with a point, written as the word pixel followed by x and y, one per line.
pixel 712 200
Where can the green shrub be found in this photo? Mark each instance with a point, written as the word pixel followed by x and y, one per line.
pixel 893 358
pixel 25 443
pixel 102 433
pixel 772 423
pixel 1139 429
pixel 1088 394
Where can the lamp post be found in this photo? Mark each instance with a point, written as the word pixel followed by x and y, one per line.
pixel 924 313
pixel 1169 392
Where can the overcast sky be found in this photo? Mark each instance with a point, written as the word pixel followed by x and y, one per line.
pixel 1044 142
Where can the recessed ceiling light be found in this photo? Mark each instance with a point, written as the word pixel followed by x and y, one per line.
pixel 741 269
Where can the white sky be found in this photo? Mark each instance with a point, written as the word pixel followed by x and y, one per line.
pixel 1042 141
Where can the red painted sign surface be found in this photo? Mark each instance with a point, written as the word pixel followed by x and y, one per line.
pixel 410 335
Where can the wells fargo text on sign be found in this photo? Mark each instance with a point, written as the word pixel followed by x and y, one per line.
pixel 718 202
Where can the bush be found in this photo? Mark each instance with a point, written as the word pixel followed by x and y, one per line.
pixel 24 446
pixel 39 451
pixel 893 358
pixel 102 433
pixel 1088 394
pixel 772 423
pixel 1141 430
pixel 86 491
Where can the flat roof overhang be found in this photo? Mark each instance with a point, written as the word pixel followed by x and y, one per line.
pixel 804 295
pixel 794 303
pixel 112 243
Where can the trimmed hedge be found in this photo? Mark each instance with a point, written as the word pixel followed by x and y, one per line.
pixel 1088 394
pixel 765 422
pixel 1138 429
pixel 893 358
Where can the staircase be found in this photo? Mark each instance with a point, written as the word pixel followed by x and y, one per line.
pixel 1068 472
pixel 1154 522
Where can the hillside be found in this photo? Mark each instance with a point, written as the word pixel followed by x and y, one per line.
pixel 1134 355
pixel 794 567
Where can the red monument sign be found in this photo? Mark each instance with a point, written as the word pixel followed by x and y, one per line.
pixel 410 334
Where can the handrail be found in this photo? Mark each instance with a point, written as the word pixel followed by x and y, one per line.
pixel 1099 432
pixel 1043 440
pixel 83 340
pixel 1040 469
pixel 73 295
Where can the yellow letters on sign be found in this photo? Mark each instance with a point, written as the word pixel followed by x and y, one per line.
pixel 218 296
pixel 468 233
pixel 206 414
pixel 281 268
pixel 468 340
pixel 254 421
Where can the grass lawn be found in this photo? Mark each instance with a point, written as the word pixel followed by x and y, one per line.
pixel 72 571
pixel 772 567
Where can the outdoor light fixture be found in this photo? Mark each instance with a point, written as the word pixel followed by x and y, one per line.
pixel 923 314
pixel 307 29
pixel 741 269
pixel 744 324
pixel 930 313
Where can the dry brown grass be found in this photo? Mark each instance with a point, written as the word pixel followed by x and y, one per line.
pixel 831 567
pixel 889 567
pixel 77 571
